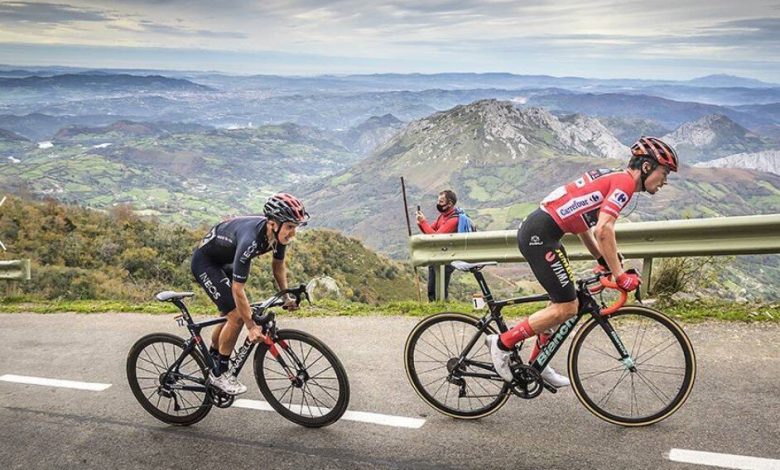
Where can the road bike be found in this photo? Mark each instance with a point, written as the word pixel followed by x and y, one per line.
pixel 298 375
pixel 629 365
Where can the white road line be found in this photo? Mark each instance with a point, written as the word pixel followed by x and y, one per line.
pixel 723 460
pixel 54 382
pixel 361 416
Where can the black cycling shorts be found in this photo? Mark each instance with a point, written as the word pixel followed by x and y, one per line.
pixel 539 240
pixel 215 280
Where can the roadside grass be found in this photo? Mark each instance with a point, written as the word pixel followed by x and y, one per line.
pixel 689 312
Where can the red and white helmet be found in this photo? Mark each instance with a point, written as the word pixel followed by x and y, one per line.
pixel 285 207
pixel 656 149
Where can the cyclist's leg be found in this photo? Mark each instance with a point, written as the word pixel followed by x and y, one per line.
pixel 539 242
pixel 215 281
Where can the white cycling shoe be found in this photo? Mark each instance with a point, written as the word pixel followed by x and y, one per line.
pixel 500 358
pixel 555 379
pixel 227 383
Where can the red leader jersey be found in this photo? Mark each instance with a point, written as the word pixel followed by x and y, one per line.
pixel 575 207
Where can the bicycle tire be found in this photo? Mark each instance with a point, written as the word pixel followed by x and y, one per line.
pixel 310 411
pixel 153 355
pixel 415 349
pixel 639 328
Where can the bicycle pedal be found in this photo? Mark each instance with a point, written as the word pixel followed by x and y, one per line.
pixel 549 388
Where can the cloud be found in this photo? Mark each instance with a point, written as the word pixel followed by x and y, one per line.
pixel 49 13
pixel 153 27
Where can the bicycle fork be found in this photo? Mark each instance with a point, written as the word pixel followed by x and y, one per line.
pixel 625 356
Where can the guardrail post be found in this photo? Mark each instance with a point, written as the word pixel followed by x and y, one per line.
pixel 440 290
pixel 647 272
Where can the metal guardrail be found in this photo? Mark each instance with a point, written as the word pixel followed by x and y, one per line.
pixel 754 234
pixel 15 270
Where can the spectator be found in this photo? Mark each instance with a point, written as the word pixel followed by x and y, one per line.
pixel 447 222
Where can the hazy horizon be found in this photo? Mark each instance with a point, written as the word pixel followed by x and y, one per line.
pixel 603 39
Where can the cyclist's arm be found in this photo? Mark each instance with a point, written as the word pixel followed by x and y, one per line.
pixel 280 273
pixel 604 234
pixel 589 241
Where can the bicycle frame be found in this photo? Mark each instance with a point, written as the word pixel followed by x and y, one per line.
pixel 587 305
pixel 196 341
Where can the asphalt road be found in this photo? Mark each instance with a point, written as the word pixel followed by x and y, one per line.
pixel 733 409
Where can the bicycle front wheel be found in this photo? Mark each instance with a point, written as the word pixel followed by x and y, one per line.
pixel 173 394
pixel 664 367
pixel 470 390
pixel 302 379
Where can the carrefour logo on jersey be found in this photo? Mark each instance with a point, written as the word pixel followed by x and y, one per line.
pixel 582 202
pixel 619 197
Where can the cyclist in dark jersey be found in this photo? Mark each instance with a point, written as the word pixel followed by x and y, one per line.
pixel 588 207
pixel 221 266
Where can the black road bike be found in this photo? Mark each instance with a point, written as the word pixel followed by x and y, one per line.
pixel 299 376
pixel 629 365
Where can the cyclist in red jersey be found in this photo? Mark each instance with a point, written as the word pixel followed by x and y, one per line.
pixel 588 207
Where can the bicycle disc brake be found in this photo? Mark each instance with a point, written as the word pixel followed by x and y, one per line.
pixel 527 383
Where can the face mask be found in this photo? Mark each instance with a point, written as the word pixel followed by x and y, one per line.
pixel 441 208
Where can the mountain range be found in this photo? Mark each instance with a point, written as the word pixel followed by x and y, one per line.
pixel 714 136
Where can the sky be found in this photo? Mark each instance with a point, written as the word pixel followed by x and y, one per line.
pixel 662 39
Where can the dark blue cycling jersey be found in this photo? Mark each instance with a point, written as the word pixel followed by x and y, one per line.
pixel 236 241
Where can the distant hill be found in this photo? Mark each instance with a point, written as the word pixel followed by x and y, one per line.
pixel 101 83
pixel 126 129
pixel 724 80
pixel 38 126
pixel 768 161
pixel 714 136
pixel 8 136
pixel 370 134
pixel 666 112
pixel 628 130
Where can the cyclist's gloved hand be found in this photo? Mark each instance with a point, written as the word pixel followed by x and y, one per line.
pixel 255 334
pixel 629 280
pixel 290 303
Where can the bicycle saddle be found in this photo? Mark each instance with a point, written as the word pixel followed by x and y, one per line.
pixel 167 295
pixel 464 266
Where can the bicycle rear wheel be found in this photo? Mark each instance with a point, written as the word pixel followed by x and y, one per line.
pixel 302 379
pixel 431 355
pixel 664 361
pixel 157 384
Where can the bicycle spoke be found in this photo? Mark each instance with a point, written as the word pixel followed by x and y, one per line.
pixel 428 356
pixel 596 374
pixel 614 387
pixel 435 348
pixel 596 350
pixel 672 341
pixel 321 372
pixel 654 388
pixel 441 331
pixel 475 395
pixel 433 369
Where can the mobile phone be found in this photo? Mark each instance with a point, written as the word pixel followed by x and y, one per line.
pixel 418 208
